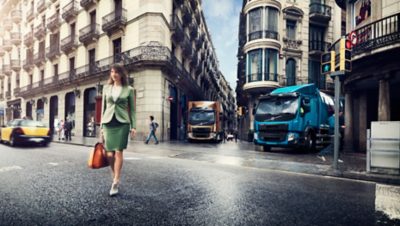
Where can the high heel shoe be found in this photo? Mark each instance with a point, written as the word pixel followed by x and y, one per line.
pixel 114 188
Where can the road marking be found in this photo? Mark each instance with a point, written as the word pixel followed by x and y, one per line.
pixel 9 168
pixel 387 200
pixel 53 163
pixel 132 158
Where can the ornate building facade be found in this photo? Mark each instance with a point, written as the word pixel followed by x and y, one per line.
pixel 56 55
pixel 280 44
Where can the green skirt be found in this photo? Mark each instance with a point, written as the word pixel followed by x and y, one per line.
pixel 116 135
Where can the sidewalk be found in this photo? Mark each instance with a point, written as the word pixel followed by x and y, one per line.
pixel 353 167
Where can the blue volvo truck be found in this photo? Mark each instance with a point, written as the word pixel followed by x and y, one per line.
pixel 293 116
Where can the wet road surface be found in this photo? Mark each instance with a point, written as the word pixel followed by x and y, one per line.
pixel 53 186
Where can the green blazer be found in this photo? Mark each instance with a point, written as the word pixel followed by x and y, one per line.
pixel 122 108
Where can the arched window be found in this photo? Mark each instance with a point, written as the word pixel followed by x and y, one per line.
pixel 290 72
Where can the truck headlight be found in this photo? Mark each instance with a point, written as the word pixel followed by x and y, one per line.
pixel 291 137
pixel 255 136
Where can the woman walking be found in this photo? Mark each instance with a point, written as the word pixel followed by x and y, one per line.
pixel 118 120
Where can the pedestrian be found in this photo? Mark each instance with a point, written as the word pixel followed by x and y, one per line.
pixel 153 128
pixel 68 129
pixel 118 120
pixel 60 130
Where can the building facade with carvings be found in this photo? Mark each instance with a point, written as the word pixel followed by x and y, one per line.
pixel 56 56
pixel 280 44
pixel 372 89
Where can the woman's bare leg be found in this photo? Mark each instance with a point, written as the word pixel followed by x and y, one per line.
pixel 118 165
pixel 111 161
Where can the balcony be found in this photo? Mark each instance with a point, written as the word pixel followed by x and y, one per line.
pixel 7 69
pixel 16 65
pixel 30 14
pixel 39 59
pixel 261 82
pixel 16 15
pixel 40 32
pixel 70 11
pixel 54 22
pixel 7 45
pixel 194 4
pixel 16 91
pixel 320 13
pixel 2 52
pixel 8 94
pixel 16 38
pixel 41 6
pixel 53 52
pixel 86 4
pixel 69 44
pixel 316 48
pixel 114 22
pixel 177 29
pixel 193 31
pixel 186 15
pixel 89 34
pixel 381 33
pixel 28 39
pixel 187 47
pixel 8 24
pixel 28 64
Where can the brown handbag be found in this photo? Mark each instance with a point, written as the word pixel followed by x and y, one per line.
pixel 97 158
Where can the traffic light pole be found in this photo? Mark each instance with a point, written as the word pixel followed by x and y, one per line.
pixel 336 75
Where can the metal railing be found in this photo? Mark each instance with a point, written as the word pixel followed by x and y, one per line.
pixel 114 19
pixel 258 77
pixel 320 9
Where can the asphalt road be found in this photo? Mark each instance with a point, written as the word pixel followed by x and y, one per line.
pixel 53 186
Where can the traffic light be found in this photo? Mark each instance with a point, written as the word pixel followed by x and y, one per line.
pixel 345 55
pixel 328 62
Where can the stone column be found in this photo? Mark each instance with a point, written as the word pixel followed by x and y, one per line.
pixel 363 123
pixel 348 117
pixel 384 100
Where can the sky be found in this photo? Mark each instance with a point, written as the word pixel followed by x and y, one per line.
pixel 222 18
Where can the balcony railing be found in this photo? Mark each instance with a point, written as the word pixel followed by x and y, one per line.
pixel 187 47
pixel 381 33
pixel 193 31
pixel 16 65
pixel 86 4
pixel 8 94
pixel 41 6
pixel 263 34
pixel 53 51
pixel 28 39
pixel 69 44
pixel 258 77
pixel 40 31
pixel 54 22
pixel 16 15
pixel 114 22
pixel 89 34
pixel 7 23
pixel 177 29
pixel 186 15
pixel 28 64
pixel 7 45
pixel 148 55
pixel 318 46
pixel 39 59
pixel 16 38
pixel 320 12
pixel 30 14
pixel 70 11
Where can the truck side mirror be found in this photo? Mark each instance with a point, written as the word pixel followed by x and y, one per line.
pixel 305 104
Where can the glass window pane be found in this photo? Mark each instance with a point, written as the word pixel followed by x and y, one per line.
pixel 254 65
pixel 291 29
pixel 291 72
pixel 271 64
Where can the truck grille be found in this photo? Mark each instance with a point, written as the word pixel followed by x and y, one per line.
pixel 277 136
pixel 201 132
pixel 273 128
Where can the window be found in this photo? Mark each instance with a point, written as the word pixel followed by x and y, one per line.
pixel 55 68
pixel 316 37
pixel 314 76
pixel 291 29
pixel 255 30
pixel 271 23
pixel 117 48
pixel 271 65
pixel 290 72
pixel 254 68
pixel 72 66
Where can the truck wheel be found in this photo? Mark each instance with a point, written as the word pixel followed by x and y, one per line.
pixel 310 142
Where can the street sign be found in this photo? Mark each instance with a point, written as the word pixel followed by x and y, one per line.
pixel 353 38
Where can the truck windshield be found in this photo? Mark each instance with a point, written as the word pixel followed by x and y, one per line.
pixel 201 117
pixel 277 109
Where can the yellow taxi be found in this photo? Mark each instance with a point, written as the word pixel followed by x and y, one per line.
pixel 19 131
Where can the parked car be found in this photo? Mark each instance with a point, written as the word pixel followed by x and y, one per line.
pixel 20 131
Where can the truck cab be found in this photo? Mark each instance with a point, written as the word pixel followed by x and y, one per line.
pixel 294 116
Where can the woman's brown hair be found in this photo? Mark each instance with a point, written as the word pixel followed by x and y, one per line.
pixel 118 68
